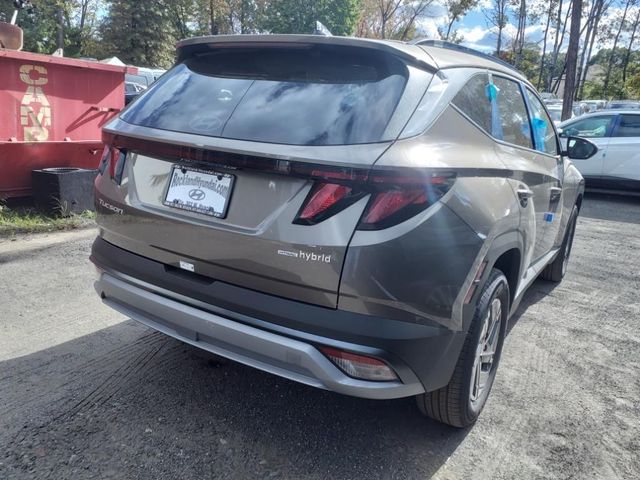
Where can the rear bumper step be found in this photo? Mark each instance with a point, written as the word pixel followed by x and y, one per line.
pixel 267 351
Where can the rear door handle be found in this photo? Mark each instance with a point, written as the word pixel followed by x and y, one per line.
pixel 524 194
pixel 556 193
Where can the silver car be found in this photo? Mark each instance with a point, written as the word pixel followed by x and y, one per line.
pixel 360 216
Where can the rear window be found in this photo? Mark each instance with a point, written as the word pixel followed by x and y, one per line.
pixel 310 95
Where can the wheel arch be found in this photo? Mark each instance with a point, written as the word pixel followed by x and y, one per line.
pixel 506 255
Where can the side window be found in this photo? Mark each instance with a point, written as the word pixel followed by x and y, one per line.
pixel 543 133
pixel 511 113
pixel 629 126
pixel 594 127
pixel 473 101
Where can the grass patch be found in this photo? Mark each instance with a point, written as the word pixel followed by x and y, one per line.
pixel 26 219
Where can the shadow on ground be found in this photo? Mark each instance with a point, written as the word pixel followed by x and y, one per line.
pixel 133 403
pixel 617 208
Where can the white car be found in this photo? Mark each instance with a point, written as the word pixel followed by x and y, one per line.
pixel 617 135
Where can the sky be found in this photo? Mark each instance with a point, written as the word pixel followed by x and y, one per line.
pixel 477 34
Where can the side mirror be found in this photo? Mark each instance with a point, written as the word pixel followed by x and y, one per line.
pixel 579 148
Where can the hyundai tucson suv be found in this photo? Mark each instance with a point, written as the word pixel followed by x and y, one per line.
pixel 360 216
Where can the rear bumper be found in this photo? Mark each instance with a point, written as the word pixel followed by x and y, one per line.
pixel 276 335
pixel 273 353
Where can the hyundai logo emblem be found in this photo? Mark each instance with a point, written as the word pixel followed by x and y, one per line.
pixel 196 194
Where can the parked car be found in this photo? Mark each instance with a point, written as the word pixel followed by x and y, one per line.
pixel 131 91
pixel 555 111
pixel 623 105
pixel 591 106
pixel 145 76
pixel 360 216
pixel 617 135
pixel 548 97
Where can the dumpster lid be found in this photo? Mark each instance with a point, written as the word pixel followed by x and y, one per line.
pixel 70 62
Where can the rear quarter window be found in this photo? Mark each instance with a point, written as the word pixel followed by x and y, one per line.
pixel 473 101
pixel 320 95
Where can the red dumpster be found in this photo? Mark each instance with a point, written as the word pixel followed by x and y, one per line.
pixel 51 112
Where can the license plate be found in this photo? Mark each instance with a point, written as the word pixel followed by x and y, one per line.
pixel 199 191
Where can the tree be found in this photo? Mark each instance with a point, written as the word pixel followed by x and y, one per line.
pixel 634 28
pixel 552 5
pixel 598 8
pixel 456 9
pixel 140 33
pixel 394 19
pixel 621 25
pixel 557 42
pixel 299 16
pixel 518 43
pixel 498 17
pixel 572 60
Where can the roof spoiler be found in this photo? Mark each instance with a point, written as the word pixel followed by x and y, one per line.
pixel 190 46
pixel 429 42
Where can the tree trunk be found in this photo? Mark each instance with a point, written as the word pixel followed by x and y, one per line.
pixel 449 28
pixel 590 21
pixel 499 44
pixel 628 54
pixel 555 46
pixel 594 34
pixel 522 24
pixel 60 29
pixel 607 78
pixel 212 18
pixel 564 67
pixel 544 46
pixel 572 58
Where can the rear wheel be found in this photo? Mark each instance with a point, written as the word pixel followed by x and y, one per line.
pixel 460 402
pixel 557 269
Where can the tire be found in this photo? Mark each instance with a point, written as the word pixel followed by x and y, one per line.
pixel 556 270
pixel 460 402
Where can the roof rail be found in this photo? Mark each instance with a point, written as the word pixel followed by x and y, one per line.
pixel 429 42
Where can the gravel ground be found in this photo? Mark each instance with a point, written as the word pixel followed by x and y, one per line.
pixel 86 393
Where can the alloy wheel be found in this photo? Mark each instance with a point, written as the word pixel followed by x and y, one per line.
pixel 486 351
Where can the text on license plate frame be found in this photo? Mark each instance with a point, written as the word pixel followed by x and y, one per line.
pixel 198 207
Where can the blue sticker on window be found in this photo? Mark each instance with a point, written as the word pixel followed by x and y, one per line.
pixel 496 124
pixel 539 132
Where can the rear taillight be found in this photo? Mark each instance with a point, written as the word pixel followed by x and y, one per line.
pixel 397 198
pixel 113 160
pixel 324 200
pixel 360 366
pixel 384 205
pixel 394 196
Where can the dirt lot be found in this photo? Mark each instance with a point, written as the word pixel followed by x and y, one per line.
pixel 86 393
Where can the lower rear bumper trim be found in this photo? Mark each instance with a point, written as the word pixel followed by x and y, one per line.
pixel 267 351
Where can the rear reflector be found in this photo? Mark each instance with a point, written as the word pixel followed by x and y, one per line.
pixel 360 366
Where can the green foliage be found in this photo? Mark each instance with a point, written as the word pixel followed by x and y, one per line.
pixel 28 220
pixel 38 23
pixel 633 86
pixel 140 33
pixel 299 16
pixel 529 61
pixel 618 89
